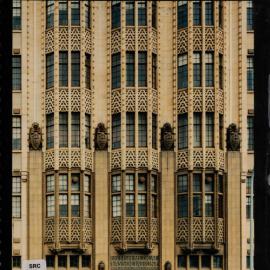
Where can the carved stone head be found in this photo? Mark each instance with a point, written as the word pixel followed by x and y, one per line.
pixel 168 266
pixel 101 266
pixel 35 137
pixel 233 138
pixel 167 137
pixel 101 137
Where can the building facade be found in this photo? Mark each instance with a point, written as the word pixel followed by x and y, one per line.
pixel 121 111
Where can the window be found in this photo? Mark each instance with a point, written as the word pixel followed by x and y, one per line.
pixel 87 70
pixel 220 71
pixel 209 207
pixel 154 131
pixel 16 197
pixel 88 131
pixel 248 207
pixel 182 261
pixel 63 129
pixel 63 182
pixel 116 183
pixel 63 69
pixel 116 206
pixel 142 129
pixel 75 205
pixel 49 13
pixel 16 261
pixel 50 208
pixel 142 13
pixel 197 195
pixel 63 207
pixel 75 12
pixel 209 129
pixel 194 261
pixel 182 14
pixel 209 69
pixel 116 130
pixel 197 67
pixel 220 13
pixel 154 195
pixel 248 185
pixel 130 67
pixel 16 14
pixel 130 13
pixel 206 261
pixel 154 14
pixel 16 133
pixel 62 261
pixel 197 129
pixel 16 72
pixel 50 183
pixel 75 129
pixel 130 205
pixel 248 261
pixel 49 70
pixel 75 182
pixel 182 196
pixel 250 131
pixel 50 130
pixel 116 71
pixel 142 69
pixel 250 73
pixel 87 183
pixel 221 126
pixel 116 14
pixel 209 13
pixel 130 129
pixel 182 71
pixel 217 262
pixel 63 12
pixel 87 14
pixel 197 12
pixel 50 260
pixel 250 15
pixel 142 205
pixel 86 260
pixel 75 68
pixel 182 131
pixel 154 71
pixel 209 196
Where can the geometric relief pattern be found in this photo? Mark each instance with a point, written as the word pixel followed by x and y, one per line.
pixel 63 38
pixel 63 229
pixel 220 101
pixel 49 230
pixel 154 40
pixel 209 229
pixel 49 159
pixel 130 99
pixel 88 159
pixel 116 229
pixel 210 158
pixel 154 101
pixel 49 38
pixel 75 229
pixel 197 39
pixel 75 158
pixel 142 39
pixel 182 159
pixel 220 230
pixel 130 158
pixel 209 38
pixel 182 41
pixel 87 235
pixel 75 38
pixel 63 158
pixel 209 99
pixel 116 41
pixel 88 41
pixel 75 100
pixel 88 101
pixel 130 38
pixel 155 159
pixel 49 101
pixel 182 101
pixel 130 229
pixel 197 230
pixel 116 159
pixel 142 158
pixel 134 262
pixel 197 99
pixel 197 158
pixel 116 101
pixel 155 230
pixel 142 100
pixel 220 41
pixel 63 99
pixel 221 159
pixel 182 230
pixel 143 229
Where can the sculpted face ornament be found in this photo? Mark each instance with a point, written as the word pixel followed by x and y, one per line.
pixel 35 137
pixel 233 138
pixel 168 266
pixel 101 266
pixel 101 137
pixel 167 137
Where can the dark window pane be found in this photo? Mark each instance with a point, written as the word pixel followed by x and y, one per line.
pixel 63 68
pixel 182 183
pixel 75 12
pixel 63 12
pixel 16 14
pixel 209 136
pixel 209 183
pixel 130 68
pixel 250 131
pixel 116 130
pixel 182 131
pixel 250 15
pixel 75 129
pixel 197 205
pixel 86 260
pixel 75 68
pixel 182 261
pixel 154 14
pixel 154 131
pixel 182 206
pixel 142 130
pixel 142 205
pixel 221 131
pixel 182 72
pixel 63 129
pixel 182 14
pixel 197 12
pixel 130 205
pixel 130 129
pixel 197 129
pixel 16 72
pixel 220 183
pixel 220 13
pixel 197 182
pixel 209 12
pixel 16 261
pixel 62 261
pixel 75 205
pixel 154 71
pixel 50 261
pixel 49 13
pixel 16 133
pixel 130 13
pixel 250 73
pixel 142 13
pixel 50 130
pixel 217 262
pixel 74 261
pixel 63 207
pixel 206 261
pixel 87 131
pixel 220 206
pixel 194 261
pixel 197 67
pixel 116 14
pixel 209 69
pixel 49 70
pixel 142 69
pixel 87 14
pixel 209 206
pixel 220 71
pixel 87 70
pixel 116 70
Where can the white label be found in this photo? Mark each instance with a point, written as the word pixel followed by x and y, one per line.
pixel 34 265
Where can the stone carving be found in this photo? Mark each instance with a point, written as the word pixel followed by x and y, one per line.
pixel 168 266
pixel 35 137
pixel 233 138
pixel 101 137
pixel 101 266
pixel 167 137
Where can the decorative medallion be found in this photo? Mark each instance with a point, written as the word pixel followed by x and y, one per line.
pixel 233 138
pixel 101 137
pixel 167 137
pixel 35 137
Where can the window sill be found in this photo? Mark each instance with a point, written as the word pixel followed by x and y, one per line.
pixel 16 91
pixel 16 30
pixel 250 31
pixel 16 151
pixel 250 152
pixel 250 91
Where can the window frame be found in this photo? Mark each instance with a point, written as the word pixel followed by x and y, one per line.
pixel 16 72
